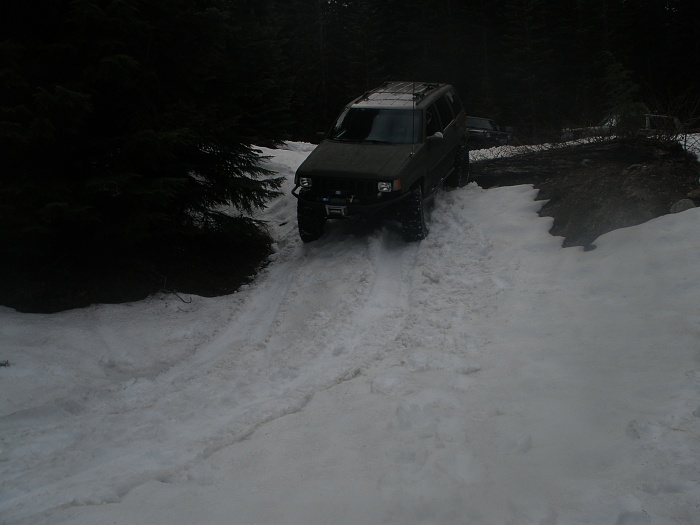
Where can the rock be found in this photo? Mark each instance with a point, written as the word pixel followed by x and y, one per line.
pixel 682 205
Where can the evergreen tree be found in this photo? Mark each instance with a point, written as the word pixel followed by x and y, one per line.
pixel 302 41
pixel 124 121
pixel 530 63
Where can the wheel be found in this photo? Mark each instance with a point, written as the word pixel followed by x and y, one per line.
pixel 413 216
pixel 460 175
pixel 310 222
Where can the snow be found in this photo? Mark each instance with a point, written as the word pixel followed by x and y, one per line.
pixel 485 375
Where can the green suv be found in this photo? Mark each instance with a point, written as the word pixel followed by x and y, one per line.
pixel 386 153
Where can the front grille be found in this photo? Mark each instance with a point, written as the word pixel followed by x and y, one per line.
pixel 364 190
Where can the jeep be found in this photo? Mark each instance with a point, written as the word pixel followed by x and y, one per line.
pixel 388 151
pixel 485 133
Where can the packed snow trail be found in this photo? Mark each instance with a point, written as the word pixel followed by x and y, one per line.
pixel 484 375
pixel 317 316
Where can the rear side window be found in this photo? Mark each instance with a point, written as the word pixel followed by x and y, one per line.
pixel 454 102
pixel 444 111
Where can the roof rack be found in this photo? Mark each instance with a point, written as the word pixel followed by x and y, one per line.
pixel 399 91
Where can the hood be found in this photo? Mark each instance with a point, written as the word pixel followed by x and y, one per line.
pixel 361 161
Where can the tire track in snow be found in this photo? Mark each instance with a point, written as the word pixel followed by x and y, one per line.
pixel 439 355
pixel 292 333
pixel 317 316
pixel 451 279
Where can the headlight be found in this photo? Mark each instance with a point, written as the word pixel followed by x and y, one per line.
pixel 386 187
pixel 305 182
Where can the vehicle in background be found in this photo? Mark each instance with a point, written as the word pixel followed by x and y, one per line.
pixel 388 151
pixel 485 133
pixel 647 125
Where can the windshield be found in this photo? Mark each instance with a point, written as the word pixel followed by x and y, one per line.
pixel 388 126
pixel 479 123
pixel 661 122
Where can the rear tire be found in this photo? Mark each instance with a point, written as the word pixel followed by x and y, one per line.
pixel 413 216
pixel 460 174
pixel 311 223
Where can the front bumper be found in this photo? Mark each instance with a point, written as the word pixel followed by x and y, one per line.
pixel 341 206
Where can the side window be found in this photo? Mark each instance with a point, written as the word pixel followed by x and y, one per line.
pixel 432 122
pixel 444 112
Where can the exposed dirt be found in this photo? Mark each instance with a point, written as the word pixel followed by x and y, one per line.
pixel 589 190
pixel 595 188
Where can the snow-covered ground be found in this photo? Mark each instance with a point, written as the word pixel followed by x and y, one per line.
pixel 483 376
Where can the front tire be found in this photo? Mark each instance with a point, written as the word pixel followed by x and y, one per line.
pixel 460 174
pixel 413 216
pixel 311 223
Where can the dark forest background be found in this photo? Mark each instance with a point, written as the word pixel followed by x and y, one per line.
pixel 536 65
pixel 128 127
